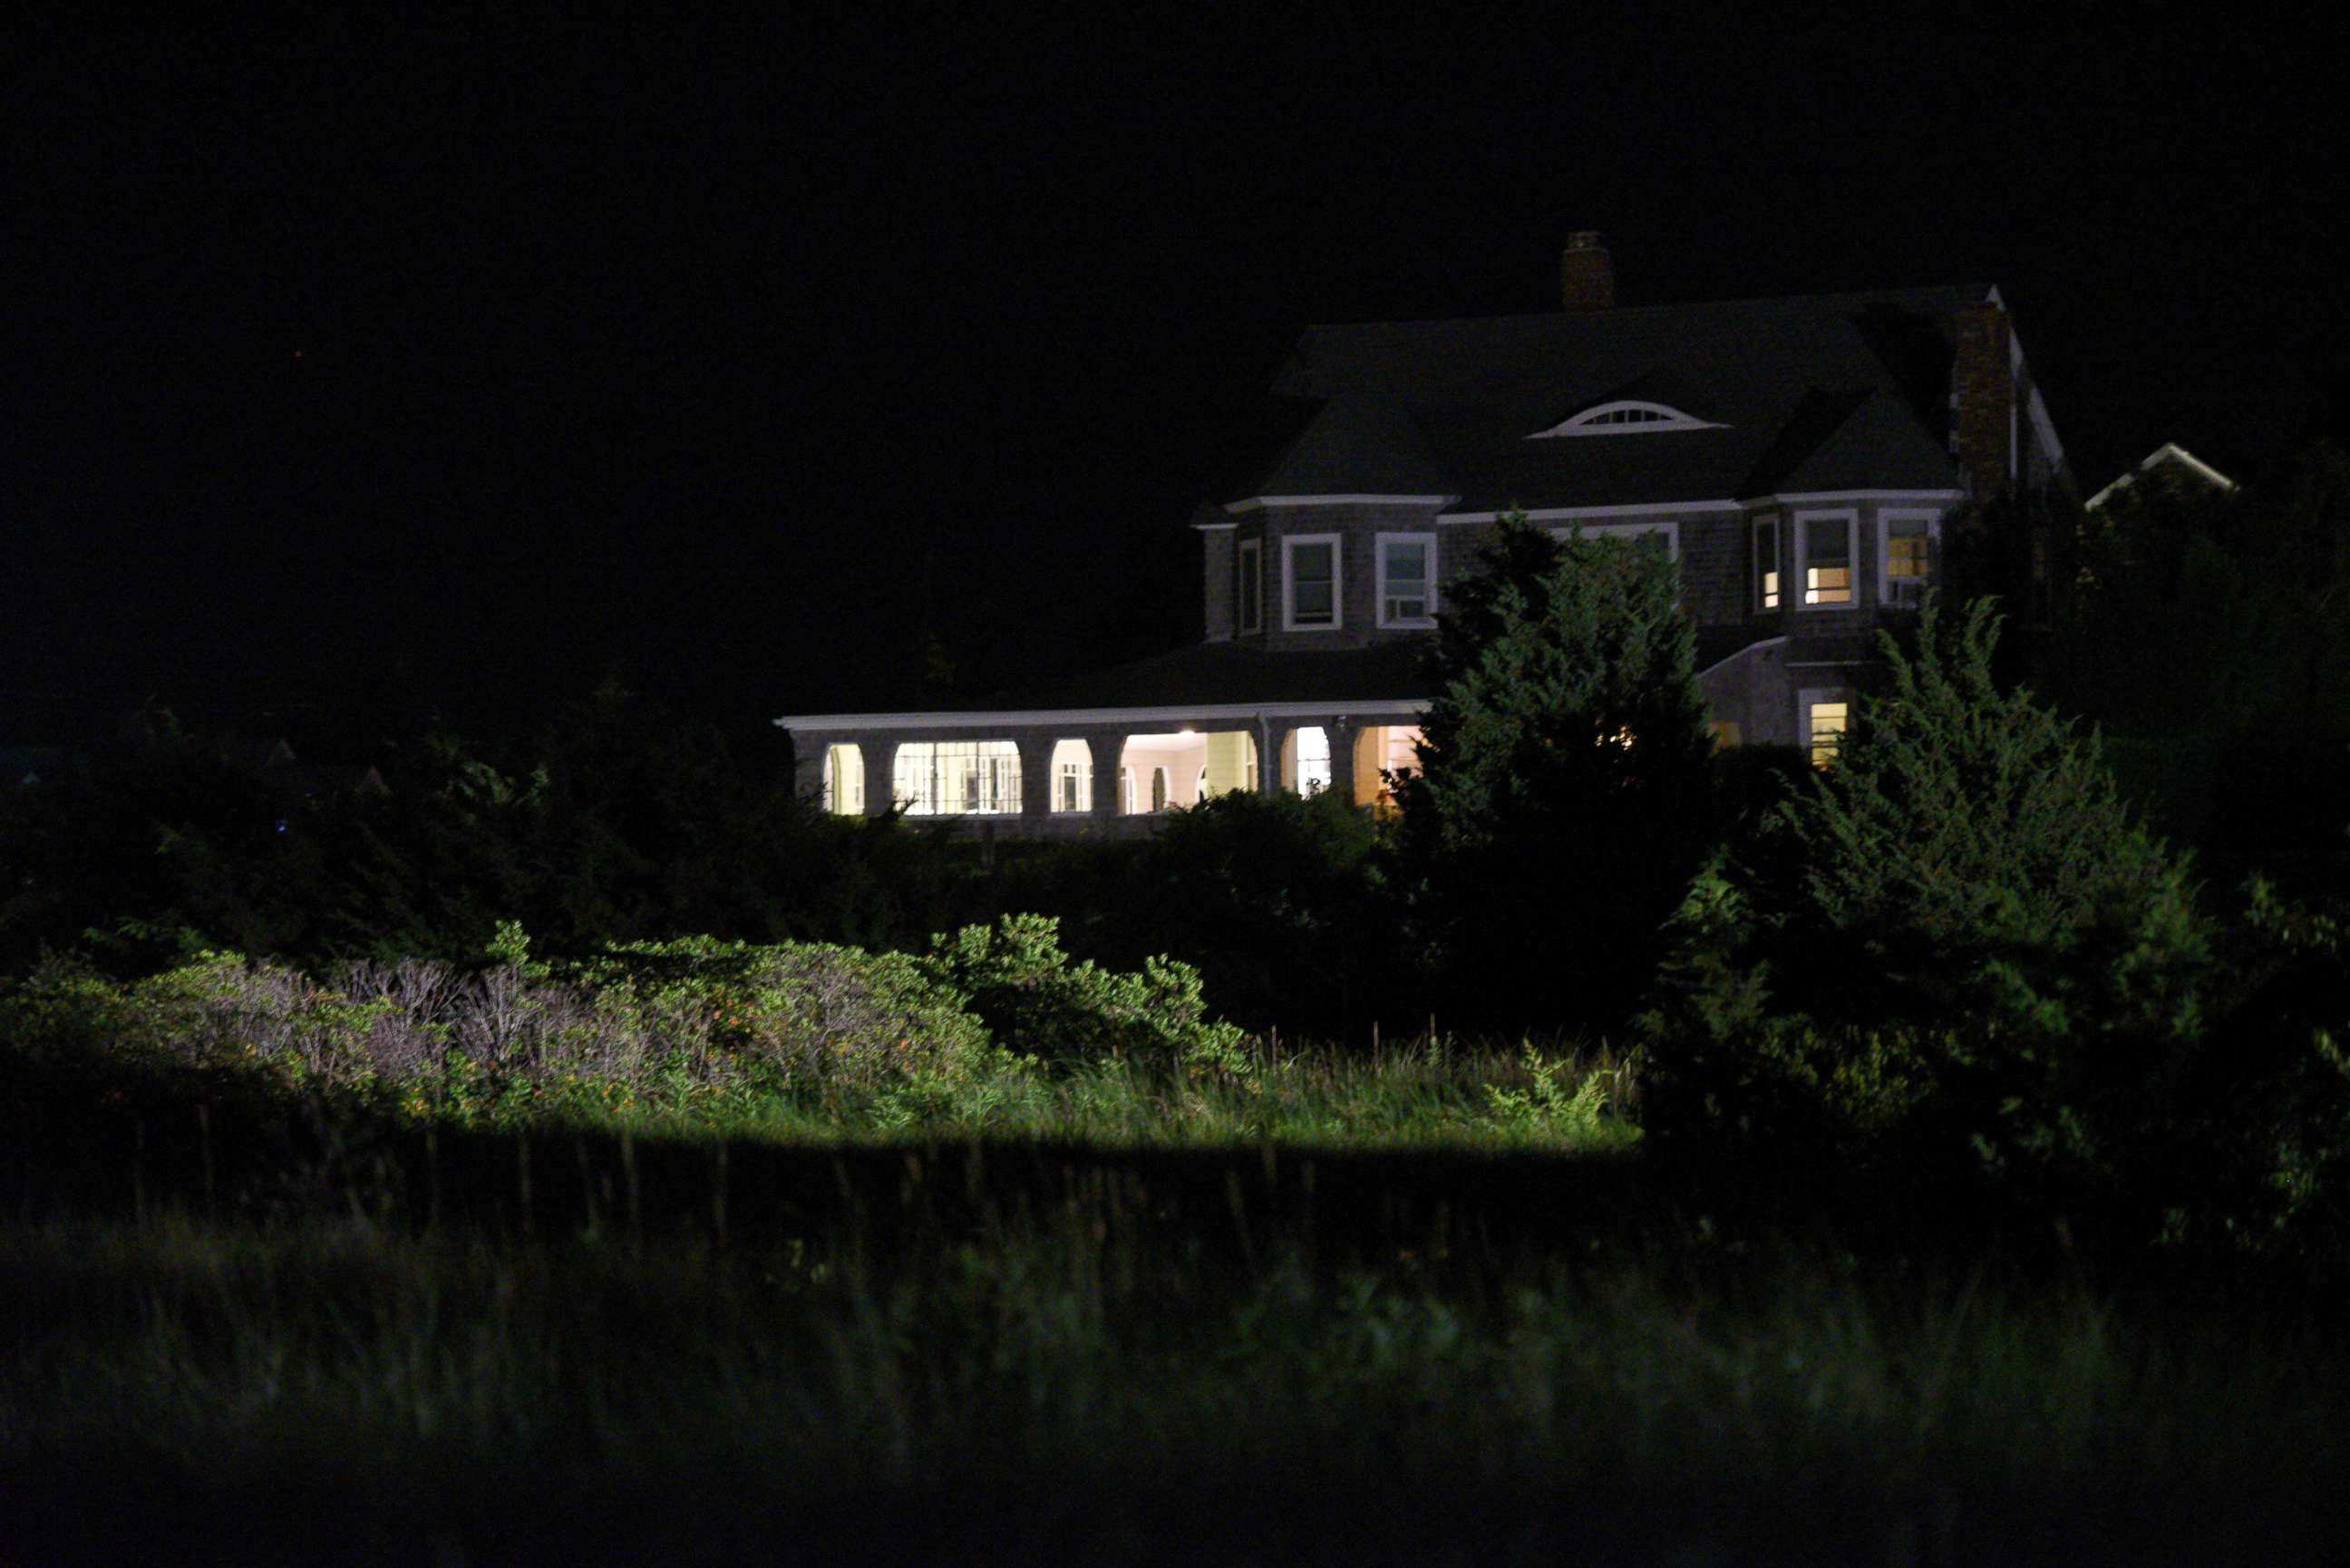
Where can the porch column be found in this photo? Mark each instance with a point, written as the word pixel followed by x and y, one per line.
pixel 1342 731
pixel 1036 773
pixel 1273 735
pixel 1106 751
pixel 881 756
pixel 808 764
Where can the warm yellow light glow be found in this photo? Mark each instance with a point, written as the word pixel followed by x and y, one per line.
pixel 1827 726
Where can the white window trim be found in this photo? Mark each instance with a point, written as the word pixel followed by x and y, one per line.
pixel 1884 521
pixel 1850 517
pixel 1671 531
pixel 1289 548
pixel 1769 520
pixel 1251 573
pixel 1586 422
pixel 1379 557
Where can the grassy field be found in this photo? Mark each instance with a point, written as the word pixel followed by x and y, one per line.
pixel 1338 1334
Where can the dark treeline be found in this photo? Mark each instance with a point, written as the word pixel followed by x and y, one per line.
pixel 2206 635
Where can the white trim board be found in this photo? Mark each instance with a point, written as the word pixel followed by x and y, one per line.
pixel 1043 718
pixel 1663 509
pixel 1731 658
pixel 1268 502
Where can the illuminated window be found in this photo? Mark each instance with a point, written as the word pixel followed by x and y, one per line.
pixel 1310 583
pixel 1406 579
pixel 958 778
pixel 1073 776
pixel 1766 563
pixel 1724 733
pixel 1180 768
pixel 1827 542
pixel 1252 586
pixel 1308 769
pixel 1907 553
pixel 1383 750
pixel 1824 724
pixel 843 781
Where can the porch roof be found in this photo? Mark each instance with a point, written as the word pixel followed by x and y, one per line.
pixel 1205 679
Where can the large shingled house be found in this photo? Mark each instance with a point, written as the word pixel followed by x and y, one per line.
pixel 1803 460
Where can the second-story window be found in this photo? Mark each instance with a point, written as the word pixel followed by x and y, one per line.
pixel 1766 563
pixel 1310 583
pixel 1252 586
pixel 1408 579
pixel 1825 544
pixel 1906 552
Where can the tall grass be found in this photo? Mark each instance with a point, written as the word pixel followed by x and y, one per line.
pixel 1082 1383
pixel 1428 1095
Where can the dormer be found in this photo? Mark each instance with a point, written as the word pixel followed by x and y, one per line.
pixel 1626 416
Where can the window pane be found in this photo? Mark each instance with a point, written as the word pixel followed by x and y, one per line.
pixel 1904 549
pixel 1828 562
pixel 1826 722
pixel 1312 596
pixel 945 777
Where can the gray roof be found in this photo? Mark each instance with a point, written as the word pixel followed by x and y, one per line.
pixel 1841 391
pixel 1215 675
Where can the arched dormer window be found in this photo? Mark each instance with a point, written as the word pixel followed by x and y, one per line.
pixel 1625 417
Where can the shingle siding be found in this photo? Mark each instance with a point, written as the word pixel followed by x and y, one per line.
pixel 1358 526
pixel 1220 585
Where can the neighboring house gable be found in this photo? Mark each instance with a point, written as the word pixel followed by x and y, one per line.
pixel 2168 463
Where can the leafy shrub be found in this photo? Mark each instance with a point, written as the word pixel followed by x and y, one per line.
pixel 1035 1001
pixel 807 1014
pixel 1965 953
pixel 644 1022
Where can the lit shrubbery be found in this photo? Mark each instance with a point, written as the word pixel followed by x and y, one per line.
pixel 1018 980
pixel 667 1026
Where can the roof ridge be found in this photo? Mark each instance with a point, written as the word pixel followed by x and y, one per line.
pixel 1622 310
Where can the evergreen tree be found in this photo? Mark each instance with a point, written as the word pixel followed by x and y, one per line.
pixel 1561 804
pixel 1960 949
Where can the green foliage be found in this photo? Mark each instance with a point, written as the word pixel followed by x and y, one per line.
pixel 612 823
pixel 1548 1104
pixel 1975 852
pixel 1020 981
pixel 1562 798
pixel 838 1020
pixel 2209 634
pixel 2270 1139
pixel 1284 906
pixel 1964 952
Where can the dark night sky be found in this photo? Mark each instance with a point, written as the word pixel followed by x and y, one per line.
pixel 354 370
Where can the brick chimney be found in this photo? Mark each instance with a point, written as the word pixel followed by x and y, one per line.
pixel 1586 275
pixel 1982 400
